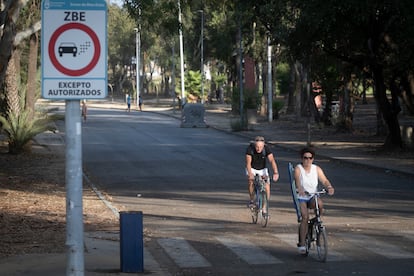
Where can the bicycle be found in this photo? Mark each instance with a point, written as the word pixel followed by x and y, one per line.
pixel 260 201
pixel 317 231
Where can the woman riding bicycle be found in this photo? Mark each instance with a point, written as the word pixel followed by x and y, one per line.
pixel 307 176
pixel 256 155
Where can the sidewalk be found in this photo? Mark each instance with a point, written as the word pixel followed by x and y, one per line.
pixel 102 255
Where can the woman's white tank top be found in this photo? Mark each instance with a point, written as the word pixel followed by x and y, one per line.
pixel 309 181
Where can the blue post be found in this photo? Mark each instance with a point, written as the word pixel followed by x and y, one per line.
pixel 131 239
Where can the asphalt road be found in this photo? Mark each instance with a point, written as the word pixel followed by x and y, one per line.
pixel 190 185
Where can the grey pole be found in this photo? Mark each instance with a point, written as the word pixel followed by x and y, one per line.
pixel 269 80
pixel 181 55
pixel 74 213
pixel 136 62
pixel 202 56
pixel 308 108
pixel 241 75
pixel 138 53
pixel 173 74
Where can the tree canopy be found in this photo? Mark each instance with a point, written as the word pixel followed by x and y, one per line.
pixel 335 42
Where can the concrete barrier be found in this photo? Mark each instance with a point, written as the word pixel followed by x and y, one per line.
pixel 193 115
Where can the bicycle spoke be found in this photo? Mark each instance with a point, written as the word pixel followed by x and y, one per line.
pixel 322 243
pixel 309 238
pixel 265 210
pixel 254 215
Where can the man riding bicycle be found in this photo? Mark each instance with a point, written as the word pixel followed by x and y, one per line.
pixel 256 155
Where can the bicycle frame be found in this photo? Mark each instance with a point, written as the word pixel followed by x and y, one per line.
pixel 260 201
pixel 317 211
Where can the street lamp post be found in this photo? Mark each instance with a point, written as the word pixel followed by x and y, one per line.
pixel 202 55
pixel 181 56
pixel 137 51
pixel 269 80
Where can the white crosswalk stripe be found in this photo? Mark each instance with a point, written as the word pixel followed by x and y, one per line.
pixel 382 248
pixel 183 254
pixel 292 239
pixel 248 251
pixel 407 234
pixel 186 256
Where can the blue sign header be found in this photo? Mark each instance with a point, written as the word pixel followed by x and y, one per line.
pixel 74 4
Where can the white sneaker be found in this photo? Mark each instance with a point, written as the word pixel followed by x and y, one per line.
pixel 302 250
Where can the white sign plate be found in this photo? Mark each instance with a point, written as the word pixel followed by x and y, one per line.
pixel 74 49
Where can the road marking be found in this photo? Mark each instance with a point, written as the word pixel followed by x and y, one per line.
pixel 378 247
pixel 248 251
pixel 408 234
pixel 150 264
pixel 292 239
pixel 183 254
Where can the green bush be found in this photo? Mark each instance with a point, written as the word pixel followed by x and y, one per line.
pixel 251 100
pixel 277 106
pixel 21 128
pixel 283 78
pixel 193 83
pixel 238 125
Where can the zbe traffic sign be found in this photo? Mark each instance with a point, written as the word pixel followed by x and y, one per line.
pixel 74 50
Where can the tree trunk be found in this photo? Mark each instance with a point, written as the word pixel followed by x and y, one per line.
pixel 305 93
pixel 263 100
pixel 6 46
pixel 364 90
pixel 327 111
pixel 394 139
pixel 12 91
pixel 298 89
pixel 143 84
pixel 291 96
pixel 31 75
pixel 407 93
pixel 11 10
pixel 348 106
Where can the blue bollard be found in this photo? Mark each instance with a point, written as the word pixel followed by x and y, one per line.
pixel 131 239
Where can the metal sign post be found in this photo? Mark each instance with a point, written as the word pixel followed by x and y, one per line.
pixel 74 67
pixel 74 210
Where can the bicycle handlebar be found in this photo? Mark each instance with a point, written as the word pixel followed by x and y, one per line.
pixel 261 176
pixel 258 178
pixel 321 192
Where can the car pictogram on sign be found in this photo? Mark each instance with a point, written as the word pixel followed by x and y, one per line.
pixel 67 48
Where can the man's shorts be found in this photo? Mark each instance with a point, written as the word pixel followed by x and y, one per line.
pixel 262 172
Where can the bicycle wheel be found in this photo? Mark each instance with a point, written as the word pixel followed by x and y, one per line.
pixel 255 209
pixel 264 211
pixel 321 243
pixel 255 214
pixel 309 238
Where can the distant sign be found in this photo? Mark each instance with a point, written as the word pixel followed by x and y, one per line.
pixel 74 49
